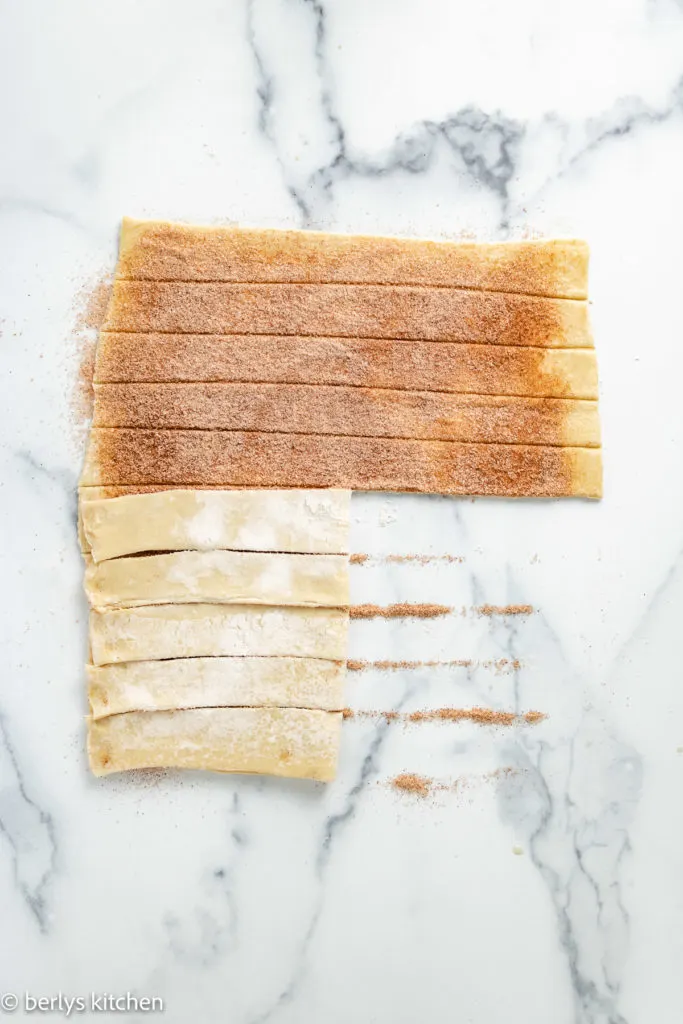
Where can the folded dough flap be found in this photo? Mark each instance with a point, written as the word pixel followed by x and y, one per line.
pixel 216 682
pixel 314 521
pixel 292 742
pixel 224 577
pixel 165 251
pixel 209 630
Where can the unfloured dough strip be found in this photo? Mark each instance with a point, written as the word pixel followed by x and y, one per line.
pixel 366 362
pixel 292 742
pixel 161 251
pixel 230 458
pixel 349 311
pixel 209 630
pixel 369 412
pixel 315 521
pixel 216 682
pixel 224 577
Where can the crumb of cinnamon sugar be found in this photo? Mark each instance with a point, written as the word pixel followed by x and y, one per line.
pixel 358 559
pixel 419 785
pixel 508 609
pixel 533 717
pixel 399 611
pixel 348 713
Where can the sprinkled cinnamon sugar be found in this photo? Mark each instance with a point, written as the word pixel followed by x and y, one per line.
pixel 500 665
pixel 410 783
pixel 479 716
pixel 508 609
pixel 90 306
pixel 399 611
pixel 358 559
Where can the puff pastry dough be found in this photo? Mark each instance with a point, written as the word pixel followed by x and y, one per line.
pixel 225 577
pixel 215 682
pixel 314 521
pixel 276 741
pixel 207 630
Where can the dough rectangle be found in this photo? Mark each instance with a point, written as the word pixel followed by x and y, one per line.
pixel 209 630
pixel 367 412
pixel 165 251
pixel 231 458
pixel 356 362
pixel 224 577
pixel 291 742
pixel 216 682
pixel 349 311
pixel 304 521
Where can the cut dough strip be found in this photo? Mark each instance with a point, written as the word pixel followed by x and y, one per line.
pixel 357 362
pixel 310 521
pixel 230 458
pixel 162 251
pixel 216 682
pixel 224 577
pixel 276 741
pixel 367 412
pixel 355 311
pixel 209 630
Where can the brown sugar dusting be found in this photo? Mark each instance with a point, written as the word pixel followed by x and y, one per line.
pixel 358 559
pixel 399 611
pixel 419 785
pixel 507 609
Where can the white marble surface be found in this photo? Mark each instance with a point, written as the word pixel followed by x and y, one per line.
pixel 555 894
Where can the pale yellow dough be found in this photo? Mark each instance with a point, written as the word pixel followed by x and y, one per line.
pixel 209 630
pixel 312 521
pixel 216 682
pixel 276 741
pixel 224 577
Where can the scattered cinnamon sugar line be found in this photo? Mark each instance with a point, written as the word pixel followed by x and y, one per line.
pixel 423 785
pixel 358 559
pixel 499 665
pixel 405 610
pixel 399 611
pixel 480 716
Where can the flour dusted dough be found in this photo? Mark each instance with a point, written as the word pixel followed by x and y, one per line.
pixel 207 630
pixel 276 741
pixel 315 521
pixel 216 682
pixel 224 577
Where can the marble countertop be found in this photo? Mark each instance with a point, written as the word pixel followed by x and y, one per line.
pixel 544 881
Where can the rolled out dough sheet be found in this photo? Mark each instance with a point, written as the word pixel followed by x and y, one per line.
pixel 224 577
pixel 209 630
pixel 355 362
pixel 292 742
pixel 216 682
pixel 163 251
pixel 349 311
pixel 350 411
pixel 315 521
